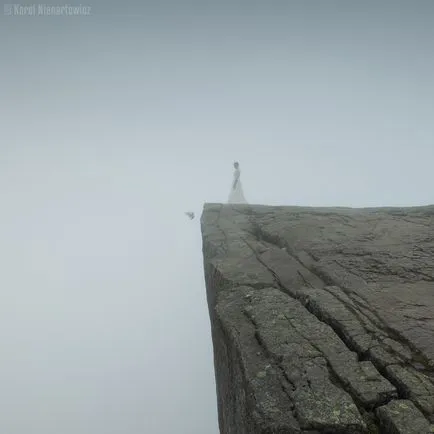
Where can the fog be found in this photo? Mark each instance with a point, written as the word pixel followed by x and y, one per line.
pixel 114 124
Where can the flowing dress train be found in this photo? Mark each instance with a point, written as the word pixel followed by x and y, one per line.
pixel 236 194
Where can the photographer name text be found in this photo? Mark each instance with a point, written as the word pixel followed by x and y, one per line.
pixel 46 10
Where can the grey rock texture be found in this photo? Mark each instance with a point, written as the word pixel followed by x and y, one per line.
pixel 322 318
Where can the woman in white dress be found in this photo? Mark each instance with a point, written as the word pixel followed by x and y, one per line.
pixel 236 195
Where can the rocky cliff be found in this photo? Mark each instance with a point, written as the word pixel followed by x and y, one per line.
pixel 322 318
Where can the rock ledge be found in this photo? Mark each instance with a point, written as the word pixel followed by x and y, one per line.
pixel 322 318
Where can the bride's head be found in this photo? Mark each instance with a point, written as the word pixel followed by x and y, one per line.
pixel 236 164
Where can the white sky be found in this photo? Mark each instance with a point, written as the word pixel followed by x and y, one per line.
pixel 115 124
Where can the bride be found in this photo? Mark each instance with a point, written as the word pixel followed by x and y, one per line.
pixel 236 195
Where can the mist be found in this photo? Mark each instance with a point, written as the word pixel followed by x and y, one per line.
pixel 116 123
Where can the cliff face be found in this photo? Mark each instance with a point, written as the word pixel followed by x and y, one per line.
pixel 322 318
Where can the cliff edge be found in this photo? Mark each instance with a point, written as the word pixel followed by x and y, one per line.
pixel 322 318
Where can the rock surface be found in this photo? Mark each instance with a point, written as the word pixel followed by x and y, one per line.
pixel 322 318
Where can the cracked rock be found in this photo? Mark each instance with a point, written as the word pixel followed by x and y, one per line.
pixel 322 318
pixel 402 417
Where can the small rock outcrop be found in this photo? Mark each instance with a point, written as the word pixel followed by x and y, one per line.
pixel 322 318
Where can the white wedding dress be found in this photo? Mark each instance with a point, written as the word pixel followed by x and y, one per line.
pixel 236 195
